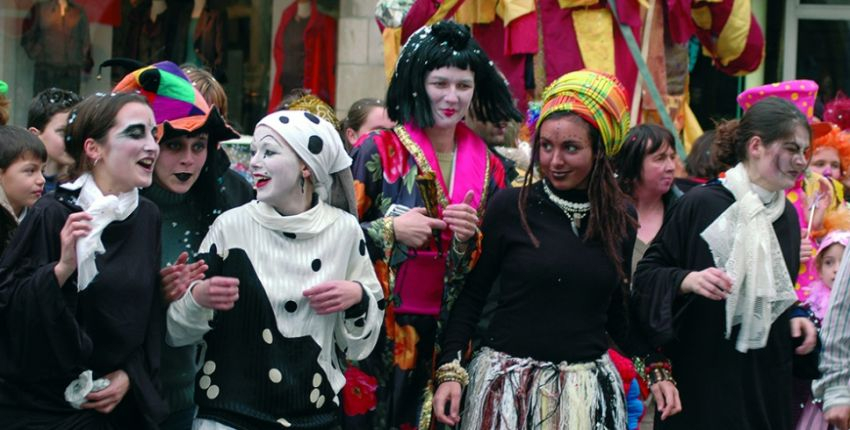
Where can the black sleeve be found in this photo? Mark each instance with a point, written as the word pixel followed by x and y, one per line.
pixel 623 325
pixel 467 309
pixel 32 302
pixel 142 366
pixel 660 273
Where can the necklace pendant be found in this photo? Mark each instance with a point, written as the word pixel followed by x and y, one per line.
pixel 577 219
pixel 575 228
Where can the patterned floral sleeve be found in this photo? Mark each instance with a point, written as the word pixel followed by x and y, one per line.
pixel 368 173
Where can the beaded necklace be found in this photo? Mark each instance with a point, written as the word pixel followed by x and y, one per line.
pixel 574 211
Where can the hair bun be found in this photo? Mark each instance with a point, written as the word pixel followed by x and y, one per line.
pixel 456 36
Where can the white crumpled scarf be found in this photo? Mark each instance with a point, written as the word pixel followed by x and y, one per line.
pixel 104 210
pixel 744 244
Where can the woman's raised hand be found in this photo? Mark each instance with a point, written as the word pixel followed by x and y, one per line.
pixel 76 226
pixel 462 218
pixel 177 277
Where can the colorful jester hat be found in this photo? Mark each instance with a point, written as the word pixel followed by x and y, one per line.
pixel 177 105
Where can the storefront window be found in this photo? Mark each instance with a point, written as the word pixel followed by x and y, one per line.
pixel 61 43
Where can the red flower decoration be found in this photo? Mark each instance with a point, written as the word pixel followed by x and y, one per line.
pixel 358 394
pixel 393 156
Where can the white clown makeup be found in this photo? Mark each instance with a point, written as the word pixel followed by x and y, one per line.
pixel 128 155
pixel 450 90
pixel 278 175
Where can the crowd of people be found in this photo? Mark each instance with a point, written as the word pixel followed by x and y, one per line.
pixel 414 265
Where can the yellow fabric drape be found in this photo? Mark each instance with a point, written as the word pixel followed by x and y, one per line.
pixel 566 4
pixel 476 12
pixel 486 11
pixel 733 37
pixel 692 130
pixel 392 49
pixel 595 34
pixel 509 10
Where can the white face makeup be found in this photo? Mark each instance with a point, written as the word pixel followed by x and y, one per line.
pixel 278 174
pixel 129 152
pixel 450 91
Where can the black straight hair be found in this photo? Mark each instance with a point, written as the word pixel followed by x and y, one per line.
pixel 446 44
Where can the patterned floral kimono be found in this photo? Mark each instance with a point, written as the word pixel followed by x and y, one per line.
pixel 386 390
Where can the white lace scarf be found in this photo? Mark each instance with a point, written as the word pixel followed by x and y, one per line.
pixel 104 210
pixel 744 244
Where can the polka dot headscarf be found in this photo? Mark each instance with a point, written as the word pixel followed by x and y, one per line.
pixel 315 141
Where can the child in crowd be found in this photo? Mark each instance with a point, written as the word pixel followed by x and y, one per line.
pixel 22 156
pixel 47 118
pixel 817 294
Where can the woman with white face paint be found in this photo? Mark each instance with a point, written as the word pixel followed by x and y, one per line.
pixel 192 185
pixel 79 287
pixel 422 242
pixel 289 284
pixel 716 287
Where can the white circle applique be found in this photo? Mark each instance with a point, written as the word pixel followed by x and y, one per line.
pixel 204 382
pixel 209 367
pixel 284 422
pixel 267 336
pixel 212 392
pixel 275 376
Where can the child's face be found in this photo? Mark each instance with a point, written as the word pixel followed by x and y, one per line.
pixel 53 137
pixel 829 263
pixel 22 182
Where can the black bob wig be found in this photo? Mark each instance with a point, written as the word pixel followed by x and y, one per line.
pixel 446 44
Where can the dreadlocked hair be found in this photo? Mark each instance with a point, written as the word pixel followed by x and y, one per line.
pixel 446 44
pixel 609 216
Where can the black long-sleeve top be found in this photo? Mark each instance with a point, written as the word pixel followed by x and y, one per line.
pixel 719 386
pixel 49 333
pixel 557 302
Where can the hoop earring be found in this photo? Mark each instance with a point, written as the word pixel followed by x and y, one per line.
pixel 302 185
pixel 95 162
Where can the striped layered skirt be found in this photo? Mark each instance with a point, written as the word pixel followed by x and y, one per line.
pixel 510 393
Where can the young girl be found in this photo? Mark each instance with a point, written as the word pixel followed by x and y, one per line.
pixel 817 293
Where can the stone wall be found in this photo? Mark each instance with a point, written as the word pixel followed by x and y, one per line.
pixel 360 55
